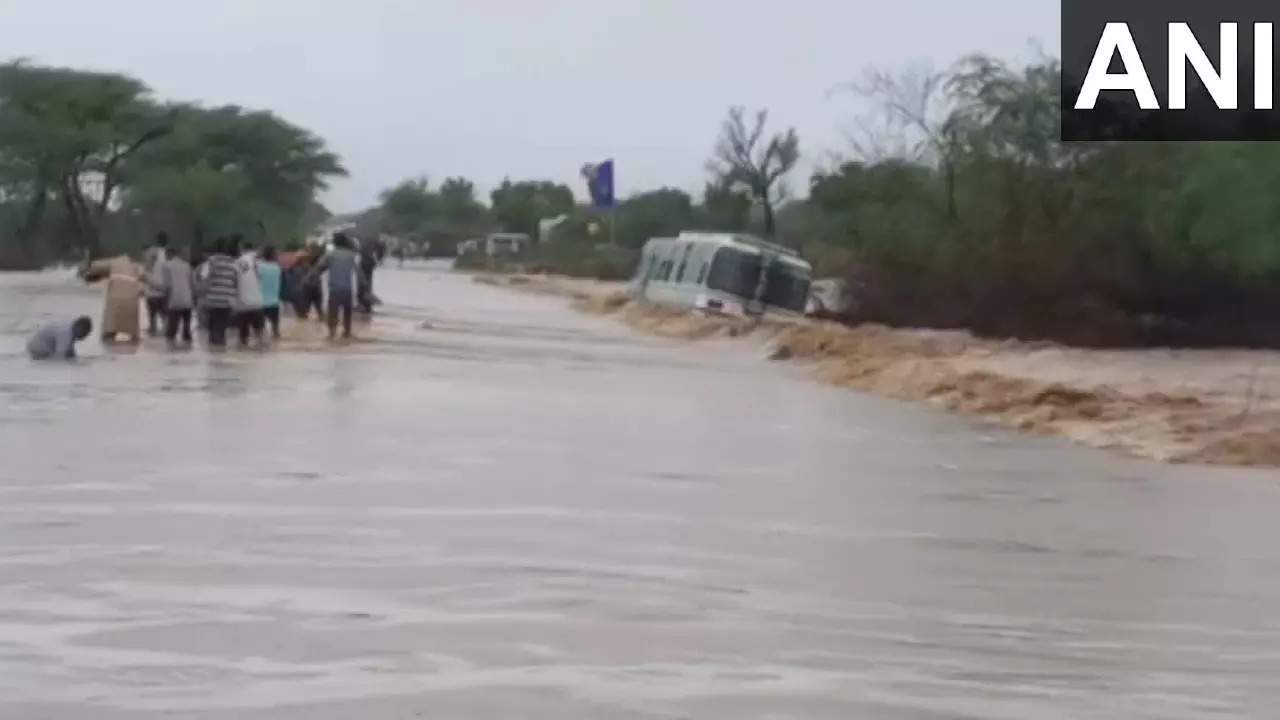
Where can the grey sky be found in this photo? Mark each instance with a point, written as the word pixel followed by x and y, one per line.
pixel 534 88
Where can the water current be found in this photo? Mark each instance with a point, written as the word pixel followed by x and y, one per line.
pixel 516 511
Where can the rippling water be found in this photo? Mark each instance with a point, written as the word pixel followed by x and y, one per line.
pixel 525 513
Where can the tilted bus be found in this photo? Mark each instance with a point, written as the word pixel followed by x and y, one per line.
pixel 731 273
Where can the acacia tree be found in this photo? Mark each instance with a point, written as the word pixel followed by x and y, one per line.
pixel 225 170
pixel 30 155
pixel 74 130
pixel 745 156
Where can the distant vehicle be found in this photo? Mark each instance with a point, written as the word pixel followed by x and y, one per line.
pixel 730 273
pixel 499 244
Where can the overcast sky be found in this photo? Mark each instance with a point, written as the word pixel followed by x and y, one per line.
pixel 530 89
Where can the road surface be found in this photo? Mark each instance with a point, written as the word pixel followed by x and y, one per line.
pixel 521 512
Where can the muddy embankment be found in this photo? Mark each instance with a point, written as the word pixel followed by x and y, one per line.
pixel 1218 407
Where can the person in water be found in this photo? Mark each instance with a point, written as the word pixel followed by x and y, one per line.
pixel 179 282
pixel 221 288
pixel 269 278
pixel 57 340
pixel 120 301
pixel 341 267
pixel 199 273
pixel 152 260
pixel 249 315
pixel 364 280
pixel 307 284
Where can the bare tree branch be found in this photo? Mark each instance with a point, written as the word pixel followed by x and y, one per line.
pixel 743 156
pixel 906 117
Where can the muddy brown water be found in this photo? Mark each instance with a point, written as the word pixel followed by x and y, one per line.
pixel 526 513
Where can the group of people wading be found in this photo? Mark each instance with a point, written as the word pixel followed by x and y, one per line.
pixel 234 287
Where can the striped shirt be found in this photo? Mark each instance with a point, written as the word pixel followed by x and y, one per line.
pixel 221 287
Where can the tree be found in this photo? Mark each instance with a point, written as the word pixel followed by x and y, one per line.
pixel 518 206
pixel 459 206
pixel 63 136
pixel 414 212
pixel 744 156
pixel 912 117
pixel 726 207
pixel 225 170
pixel 657 213
pixel 408 207
pixel 72 131
pixel 87 159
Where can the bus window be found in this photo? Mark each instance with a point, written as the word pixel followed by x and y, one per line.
pixel 786 287
pixel 684 263
pixel 666 271
pixel 734 272
pixel 702 273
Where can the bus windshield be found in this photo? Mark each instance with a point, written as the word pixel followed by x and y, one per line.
pixel 787 287
pixel 738 273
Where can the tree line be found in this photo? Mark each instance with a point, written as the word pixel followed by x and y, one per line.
pixel 93 162
pixel 747 172
pixel 955 205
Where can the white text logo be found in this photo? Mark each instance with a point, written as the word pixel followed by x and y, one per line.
pixel 1184 49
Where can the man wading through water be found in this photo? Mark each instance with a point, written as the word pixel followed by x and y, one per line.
pixel 220 291
pixel 153 259
pixel 364 282
pixel 249 316
pixel 179 283
pixel 270 279
pixel 341 267
pixel 307 286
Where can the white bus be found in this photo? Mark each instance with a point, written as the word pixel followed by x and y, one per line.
pixel 499 244
pixel 729 273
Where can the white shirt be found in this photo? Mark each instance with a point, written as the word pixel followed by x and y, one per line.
pixel 250 295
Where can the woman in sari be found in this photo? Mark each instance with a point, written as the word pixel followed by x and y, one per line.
pixel 120 306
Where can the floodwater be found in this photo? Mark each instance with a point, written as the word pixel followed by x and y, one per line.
pixel 520 512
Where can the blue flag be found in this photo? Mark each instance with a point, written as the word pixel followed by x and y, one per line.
pixel 599 177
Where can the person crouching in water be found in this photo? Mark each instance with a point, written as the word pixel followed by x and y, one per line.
pixel 249 315
pixel 340 267
pixel 269 279
pixel 179 282
pixel 220 290
pixel 57 341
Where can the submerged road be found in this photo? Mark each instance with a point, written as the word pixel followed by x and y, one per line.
pixel 526 513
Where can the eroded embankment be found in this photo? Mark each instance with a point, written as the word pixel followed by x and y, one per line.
pixel 1213 407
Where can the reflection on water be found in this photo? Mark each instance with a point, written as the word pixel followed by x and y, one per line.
pixel 526 513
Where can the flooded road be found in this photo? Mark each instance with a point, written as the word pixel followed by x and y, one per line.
pixel 521 512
